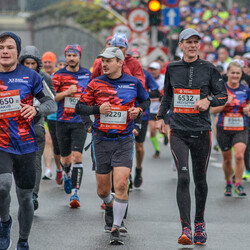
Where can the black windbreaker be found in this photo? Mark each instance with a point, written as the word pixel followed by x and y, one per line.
pixel 201 75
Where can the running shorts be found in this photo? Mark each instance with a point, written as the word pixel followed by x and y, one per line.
pixel 71 137
pixel 115 153
pixel 226 139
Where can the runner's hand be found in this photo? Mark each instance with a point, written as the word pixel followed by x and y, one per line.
pixel 135 132
pixel 160 124
pixel 246 110
pixel 105 108
pixel 72 89
pixel 134 112
pixel 202 105
pixel 28 111
pixel 230 99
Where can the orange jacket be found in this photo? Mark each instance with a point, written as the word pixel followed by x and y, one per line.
pixel 131 67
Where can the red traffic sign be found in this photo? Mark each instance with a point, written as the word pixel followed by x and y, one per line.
pixel 138 20
pixel 171 3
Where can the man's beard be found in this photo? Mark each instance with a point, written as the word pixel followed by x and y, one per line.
pixel 73 65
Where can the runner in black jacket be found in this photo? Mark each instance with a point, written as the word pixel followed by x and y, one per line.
pixel 191 86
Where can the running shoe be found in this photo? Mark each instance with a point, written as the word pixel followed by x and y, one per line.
pixel 22 246
pixel 35 201
pixel 200 235
pixel 115 238
pixel 246 176
pixel 59 176
pixel 216 147
pixel 239 191
pixel 103 206
pixel 123 229
pixel 186 236
pixel 67 184
pixel 108 217
pixel 5 241
pixel 48 174
pixel 138 177
pixel 228 190
pixel 74 201
pixel 157 154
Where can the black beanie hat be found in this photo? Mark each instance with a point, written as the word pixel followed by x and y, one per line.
pixel 16 38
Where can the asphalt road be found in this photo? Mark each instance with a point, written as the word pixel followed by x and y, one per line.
pixel 153 217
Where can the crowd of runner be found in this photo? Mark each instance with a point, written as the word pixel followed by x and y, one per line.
pixel 49 104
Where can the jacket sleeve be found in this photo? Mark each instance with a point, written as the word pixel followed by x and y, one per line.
pixel 48 105
pixel 166 99
pixel 86 104
pixel 97 71
pixel 218 89
pixel 138 73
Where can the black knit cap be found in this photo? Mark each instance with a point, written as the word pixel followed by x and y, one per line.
pixel 16 38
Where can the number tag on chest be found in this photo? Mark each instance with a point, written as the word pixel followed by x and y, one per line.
pixel 234 122
pixel 10 103
pixel 70 102
pixel 117 119
pixel 184 100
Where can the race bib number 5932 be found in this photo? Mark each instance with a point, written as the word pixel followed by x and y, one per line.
pixel 184 100
pixel 10 103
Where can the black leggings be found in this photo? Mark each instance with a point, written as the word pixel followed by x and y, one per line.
pixel 199 145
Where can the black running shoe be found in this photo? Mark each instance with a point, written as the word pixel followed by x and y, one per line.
pixel 123 229
pixel 115 238
pixel 157 154
pixel 35 201
pixel 108 217
pixel 138 177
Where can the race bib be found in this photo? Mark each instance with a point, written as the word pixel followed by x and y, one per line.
pixel 117 119
pixel 70 102
pixel 234 122
pixel 154 106
pixel 184 100
pixel 10 103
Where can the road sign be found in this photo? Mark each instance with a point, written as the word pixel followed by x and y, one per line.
pixel 141 43
pixel 138 20
pixel 171 16
pixel 122 28
pixel 171 3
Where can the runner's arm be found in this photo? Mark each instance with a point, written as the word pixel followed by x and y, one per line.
pixel 47 106
pixel 166 99
pixel 218 89
pixel 86 110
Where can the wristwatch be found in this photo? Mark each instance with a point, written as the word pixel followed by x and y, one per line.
pixel 210 98
pixel 37 109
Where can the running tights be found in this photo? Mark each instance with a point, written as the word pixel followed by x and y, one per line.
pixel 199 145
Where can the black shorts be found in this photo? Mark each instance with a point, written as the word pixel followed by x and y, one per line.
pixel 71 137
pixel 153 117
pixel 142 135
pixel 23 168
pixel 52 130
pixel 109 154
pixel 226 139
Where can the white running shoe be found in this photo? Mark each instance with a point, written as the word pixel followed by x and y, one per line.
pixel 48 174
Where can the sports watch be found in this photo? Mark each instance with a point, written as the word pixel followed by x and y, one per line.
pixel 210 98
